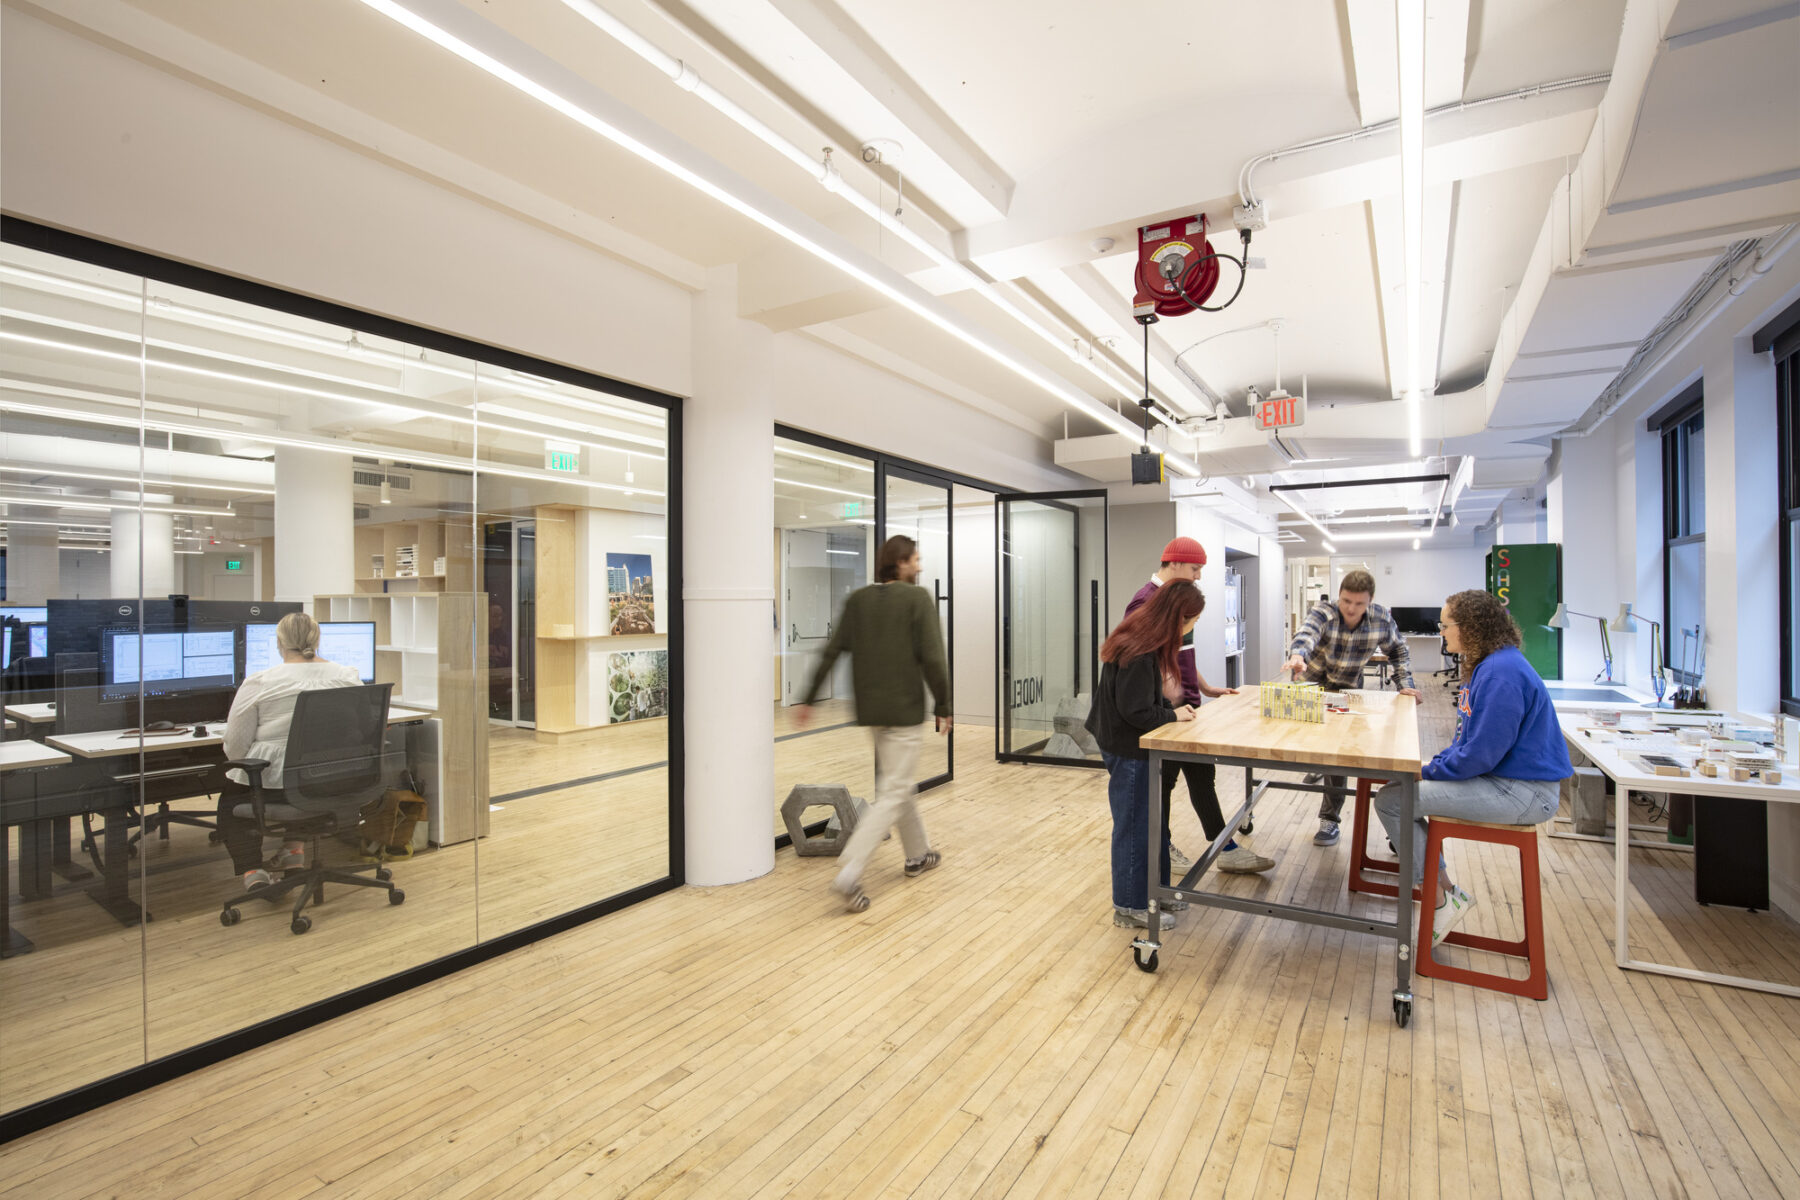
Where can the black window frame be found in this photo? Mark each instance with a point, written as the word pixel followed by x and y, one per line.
pixel 1677 424
pixel 1787 422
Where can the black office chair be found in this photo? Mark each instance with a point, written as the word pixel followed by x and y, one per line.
pixel 1452 665
pixel 333 766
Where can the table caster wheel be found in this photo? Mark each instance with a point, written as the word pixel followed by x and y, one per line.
pixel 383 874
pixel 229 917
pixel 1147 965
pixel 396 897
pixel 1402 1012
pixel 1249 825
pixel 301 925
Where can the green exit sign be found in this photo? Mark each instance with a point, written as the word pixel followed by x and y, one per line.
pixel 234 564
pixel 564 458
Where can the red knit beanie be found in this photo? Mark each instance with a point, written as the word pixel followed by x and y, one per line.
pixel 1184 550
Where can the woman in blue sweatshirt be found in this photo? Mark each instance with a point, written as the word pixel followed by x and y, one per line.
pixel 1508 756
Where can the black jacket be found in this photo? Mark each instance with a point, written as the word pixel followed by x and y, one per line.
pixel 1128 704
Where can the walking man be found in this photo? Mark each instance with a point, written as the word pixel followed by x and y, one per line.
pixel 1332 648
pixel 1182 559
pixel 890 630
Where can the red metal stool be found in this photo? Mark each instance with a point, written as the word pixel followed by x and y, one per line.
pixel 1524 839
pixel 1359 852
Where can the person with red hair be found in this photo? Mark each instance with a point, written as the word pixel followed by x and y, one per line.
pixel 1140 689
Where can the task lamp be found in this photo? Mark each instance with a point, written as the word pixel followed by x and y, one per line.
pixel 1627 622
pixel 1560 620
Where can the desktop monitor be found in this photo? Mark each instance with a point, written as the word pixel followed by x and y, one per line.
pixel 6 645
pixel 349 642
pixel 166 662
pixel 27 613
pixel 38 640
pixel 1416 619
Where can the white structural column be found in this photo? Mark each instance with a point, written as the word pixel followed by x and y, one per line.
pixel 1743 550
pixel 1583 519
pixel 33 563
pixel 728 594
pixel 145 540
pixel 315 531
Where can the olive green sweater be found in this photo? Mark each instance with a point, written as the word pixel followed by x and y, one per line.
pixel 890 631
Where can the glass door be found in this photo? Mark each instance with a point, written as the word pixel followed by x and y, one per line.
pixel 1053 603
pixel 918 506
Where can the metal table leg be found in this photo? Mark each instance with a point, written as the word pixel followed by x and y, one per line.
pixel 1144 949
pixel 1403 926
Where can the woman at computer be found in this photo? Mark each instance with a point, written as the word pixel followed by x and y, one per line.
pixel 258 728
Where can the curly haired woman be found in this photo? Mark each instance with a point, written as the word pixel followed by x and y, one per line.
pixel 1508 755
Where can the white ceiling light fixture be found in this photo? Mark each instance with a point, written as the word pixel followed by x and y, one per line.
pixel 1382 535
pixel 1415 543
pixel 96 504
pixel 1283 497
pixel 446 15
pixel 1328 546
pixel 1409 20
pixel 189 484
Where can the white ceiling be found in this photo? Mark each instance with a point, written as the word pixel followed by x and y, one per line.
pixel 1032 127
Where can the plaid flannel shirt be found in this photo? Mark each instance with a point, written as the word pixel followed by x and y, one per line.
pixel 1336 655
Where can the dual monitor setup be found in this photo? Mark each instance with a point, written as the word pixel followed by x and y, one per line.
pixel 24 632
pixel 170 662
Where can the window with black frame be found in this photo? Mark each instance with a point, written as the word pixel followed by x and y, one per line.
pixel 1684 541
pixel 1787 410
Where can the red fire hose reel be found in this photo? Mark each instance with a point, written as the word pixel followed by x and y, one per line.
pixel 1177 269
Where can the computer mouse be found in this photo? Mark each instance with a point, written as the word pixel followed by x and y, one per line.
pixel 159 726
pixel 199 731
pixel 51 705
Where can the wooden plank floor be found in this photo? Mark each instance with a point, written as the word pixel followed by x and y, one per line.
pixel 981 1031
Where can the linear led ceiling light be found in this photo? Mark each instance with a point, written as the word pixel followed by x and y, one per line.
pixel 244 488
pixel 787 226
pixel 99 505
pixel 689 80
pixel 1409 20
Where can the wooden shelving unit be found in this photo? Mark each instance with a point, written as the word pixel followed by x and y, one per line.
pixel 432 646
pixel 430 540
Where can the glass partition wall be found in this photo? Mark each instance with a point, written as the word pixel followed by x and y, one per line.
pixel 834 507
pixel 487 551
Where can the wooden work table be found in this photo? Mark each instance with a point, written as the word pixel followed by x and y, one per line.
pixel 1381 735
pixel 1378 740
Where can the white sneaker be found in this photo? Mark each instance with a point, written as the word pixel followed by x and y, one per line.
pixel 1139 918
pixel 1179 863
pixel 1241 860
pixel 1453 907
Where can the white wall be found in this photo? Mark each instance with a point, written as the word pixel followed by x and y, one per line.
pixel 974 612
pixel 1421 578
pixel 86 575
pixel 1137 535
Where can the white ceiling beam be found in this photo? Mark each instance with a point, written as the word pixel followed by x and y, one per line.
pixel 1122 186
pixel 834 67
pixel 1166 376
pixel 152 39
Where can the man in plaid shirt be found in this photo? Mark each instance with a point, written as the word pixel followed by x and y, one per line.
pixel 1332 648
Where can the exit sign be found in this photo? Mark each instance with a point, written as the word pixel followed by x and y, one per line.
pixel 1280 412
pixel 234 564
pixel 559 456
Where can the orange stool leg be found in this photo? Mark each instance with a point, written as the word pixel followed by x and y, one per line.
pixel 1360 861
pixel 1536 983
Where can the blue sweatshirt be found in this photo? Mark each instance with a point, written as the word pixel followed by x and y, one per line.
pixel 1508 727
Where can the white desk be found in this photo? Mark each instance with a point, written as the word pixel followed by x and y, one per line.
pixel 114 743
pixel 32 714
pixel 1614 760
pixel 19 756
pixel 1422 648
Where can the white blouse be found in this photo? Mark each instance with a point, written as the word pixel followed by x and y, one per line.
pixel 263 709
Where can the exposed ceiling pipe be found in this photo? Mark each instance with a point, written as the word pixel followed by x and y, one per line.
pixel 684 76
pixel 1658 345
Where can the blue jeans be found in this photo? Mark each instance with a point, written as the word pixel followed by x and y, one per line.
pixel 1128 791
pixel 1483 798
